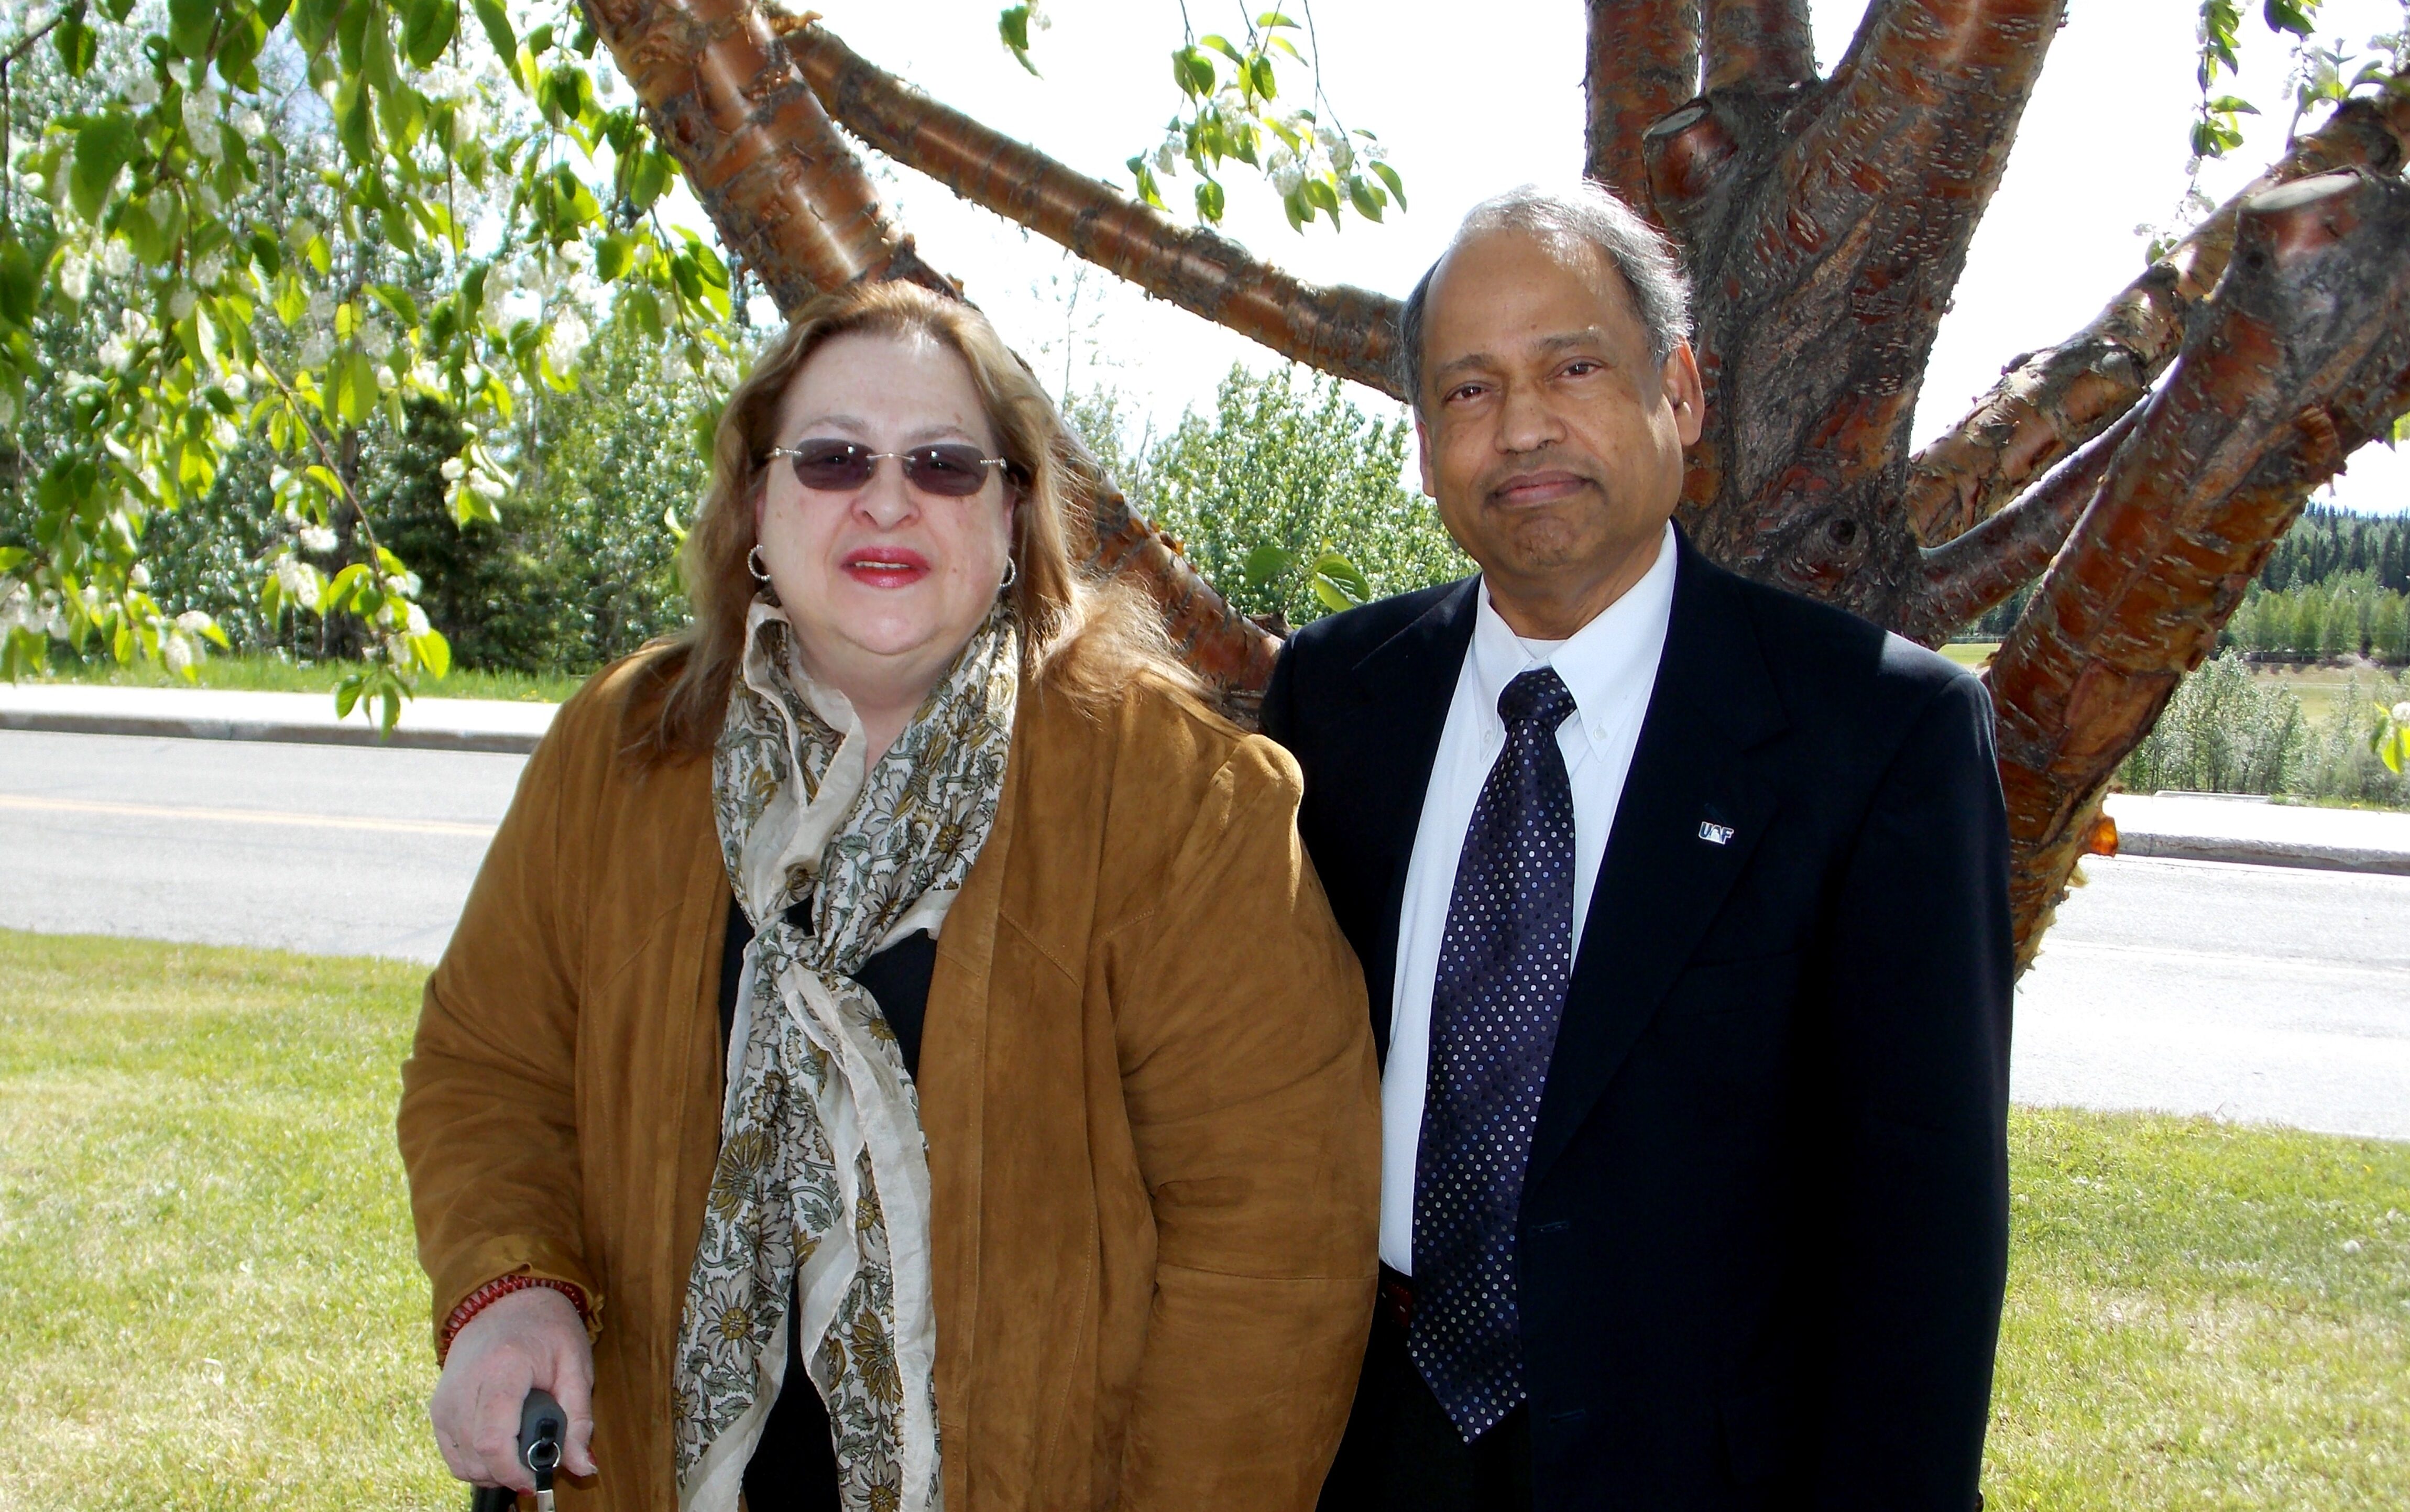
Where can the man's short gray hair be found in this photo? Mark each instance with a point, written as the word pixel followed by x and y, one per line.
pixel 1587 215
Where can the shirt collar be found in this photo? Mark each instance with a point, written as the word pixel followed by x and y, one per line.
pixel 1607 665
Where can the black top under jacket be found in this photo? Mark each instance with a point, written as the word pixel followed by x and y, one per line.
pixel 1765 1224
pixel 793 1468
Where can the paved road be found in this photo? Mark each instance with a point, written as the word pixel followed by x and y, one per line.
pixel 2253 992
pixel 2259 994
pixel 328 849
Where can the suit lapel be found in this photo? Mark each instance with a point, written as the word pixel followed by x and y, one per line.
pixel 1406 683
pixel 1663 878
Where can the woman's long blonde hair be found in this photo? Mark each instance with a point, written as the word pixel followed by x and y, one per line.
pixel 1082 637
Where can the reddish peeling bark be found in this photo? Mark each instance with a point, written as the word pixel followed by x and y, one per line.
pixel 1343 330
pixel 1826 229
pixel 2302 353
pixel 787 191
pixel 1644 62
pixel 1991 561
pixel 2055 399
pixel 1764 44
pixel 759 150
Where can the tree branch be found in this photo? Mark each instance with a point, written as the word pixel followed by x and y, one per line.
pixel 1342 330
pixel 2051 402
pixel 1841 220
pixel 2302 355
pixel 775 176
pixel 1764 45
pixel 1964 576
pixel 1643 63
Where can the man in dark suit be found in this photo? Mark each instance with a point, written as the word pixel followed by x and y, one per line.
pixel 1682 902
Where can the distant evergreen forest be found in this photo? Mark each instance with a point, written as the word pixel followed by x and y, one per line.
pixel 2327 542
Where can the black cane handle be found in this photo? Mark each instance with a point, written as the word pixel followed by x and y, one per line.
pixel 544 1428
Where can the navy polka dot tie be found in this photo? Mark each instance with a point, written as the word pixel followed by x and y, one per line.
pixel 1503 967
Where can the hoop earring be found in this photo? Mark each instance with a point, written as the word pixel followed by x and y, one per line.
pixel 1011 575
pixel 753 563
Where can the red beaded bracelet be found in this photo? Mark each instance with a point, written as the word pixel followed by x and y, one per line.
pixel 501 1287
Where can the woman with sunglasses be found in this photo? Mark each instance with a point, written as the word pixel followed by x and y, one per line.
pixel 896 1053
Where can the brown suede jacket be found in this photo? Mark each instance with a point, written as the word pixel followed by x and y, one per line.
pixel 1147 1083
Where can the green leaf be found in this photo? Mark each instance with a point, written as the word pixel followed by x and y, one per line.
pixel 78 48
pixel 613 255
pixel 189 22
pixel 348 695
pixel 2233 105
pixel 355 120
pixel 101 149
pixel 497 23
pixel 1265 565
pixel 428 30
pixel 648 177
pixel 1389 176
pixel 434 653
pixel 1339 583
pixel 1211 202
pixel 2294 16
pixel 12 558
pixel 397 298
pixel 1364 196
pixel 20 283
pixel 1013 25
pixel 354 388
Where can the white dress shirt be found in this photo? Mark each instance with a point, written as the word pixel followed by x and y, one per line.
pixel 1609 666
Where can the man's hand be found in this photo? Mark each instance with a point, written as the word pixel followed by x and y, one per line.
pixel 528 1339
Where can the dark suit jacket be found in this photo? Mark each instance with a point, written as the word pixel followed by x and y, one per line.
pixel 1765 1224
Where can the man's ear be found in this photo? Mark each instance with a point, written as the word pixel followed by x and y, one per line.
pixel 1685 394
pixel 1423 456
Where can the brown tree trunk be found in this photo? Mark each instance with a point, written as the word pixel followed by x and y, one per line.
pixel 1825 223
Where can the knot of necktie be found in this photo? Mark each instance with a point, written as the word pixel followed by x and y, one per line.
pixel 1537 697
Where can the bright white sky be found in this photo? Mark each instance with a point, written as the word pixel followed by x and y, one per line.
pixel 1473 99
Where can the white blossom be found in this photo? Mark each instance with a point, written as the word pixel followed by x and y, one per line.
pixel 1335 142
pixel 317 348
pixel 211 270
pixel 375 339
pixel 673 366
pixel 321 305
pixel 181 70
pixel 114 354
pixel 134 324
pixel 298 580
pixel 396 586
pixel 488 489
pixel 452 468
pixel 416 623
pixel 75 277
pixel 385 379
pixel 2402 714
pixel 116 258
pixel 466 123
pixel 301 230
pixel 248 123
pixel 143 93
pixel 317 539
pixel 177 652
pixel 181 303
pixel 208 200
pixel 1167 154
pixel 141 575
pixel 16 606
pixel 1288 174
pixel 719 371
pixel 237 388
pixel 194 622
pixel 567 339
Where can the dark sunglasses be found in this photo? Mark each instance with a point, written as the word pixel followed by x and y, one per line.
pixel 948 469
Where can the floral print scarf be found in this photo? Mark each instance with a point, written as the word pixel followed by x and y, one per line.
pixel 820 1198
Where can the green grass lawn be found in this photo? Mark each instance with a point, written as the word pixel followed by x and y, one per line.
pixel 271 675
pixel 207 1298
pixel 1970 653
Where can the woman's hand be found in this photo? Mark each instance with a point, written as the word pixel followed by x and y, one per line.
pixel 518 1343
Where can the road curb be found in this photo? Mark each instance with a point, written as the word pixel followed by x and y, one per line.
pixel 404 736
pixel 2262 853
